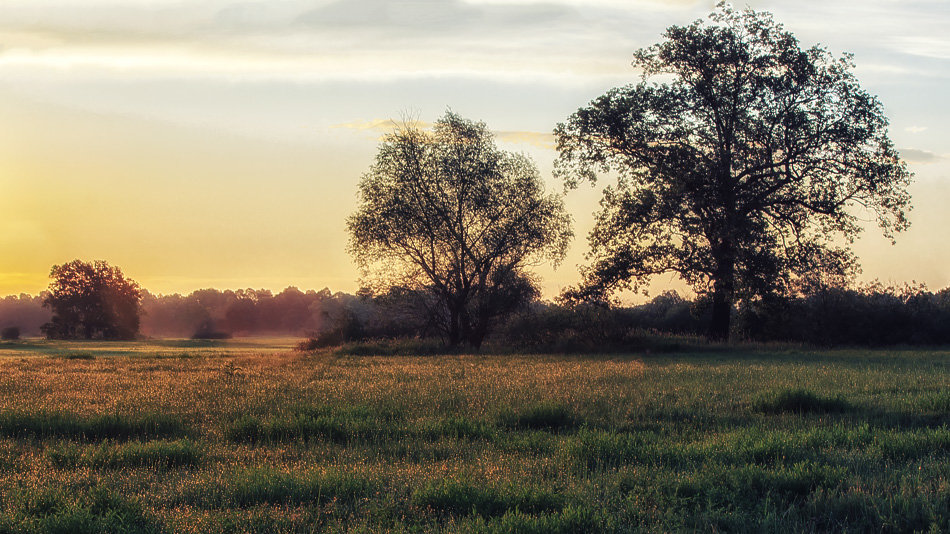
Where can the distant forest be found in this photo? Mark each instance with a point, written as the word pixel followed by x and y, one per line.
pixel 870 315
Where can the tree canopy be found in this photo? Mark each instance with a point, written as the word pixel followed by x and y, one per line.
pixel 744 164
pixel 447 214
pixel 92 301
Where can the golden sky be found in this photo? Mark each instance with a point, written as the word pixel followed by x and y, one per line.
pixel 218 143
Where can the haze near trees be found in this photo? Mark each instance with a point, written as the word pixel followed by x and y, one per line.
pixel 447 214
pixel 92 301
pixel 745 164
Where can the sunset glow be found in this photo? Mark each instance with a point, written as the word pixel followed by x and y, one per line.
pixel 219 143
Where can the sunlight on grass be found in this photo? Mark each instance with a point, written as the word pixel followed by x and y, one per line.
pixel 223 437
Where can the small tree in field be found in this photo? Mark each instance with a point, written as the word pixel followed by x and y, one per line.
pixel 92 301
pixel 742 170
pixel 447 213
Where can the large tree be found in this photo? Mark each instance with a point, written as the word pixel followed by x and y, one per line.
pixel 744 164
pixel 446 213
pixel 92 301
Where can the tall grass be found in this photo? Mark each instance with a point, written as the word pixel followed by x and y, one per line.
pixel 239 439
pixel 47 424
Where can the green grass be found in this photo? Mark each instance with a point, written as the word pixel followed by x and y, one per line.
pixel 155 454
pixel 542 416
pixel 459 498
pixel 47 424
pixel 239 436
pixel 93 510
pixel 252 487
pixel 799 401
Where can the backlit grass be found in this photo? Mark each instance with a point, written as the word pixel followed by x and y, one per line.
pixel 238 436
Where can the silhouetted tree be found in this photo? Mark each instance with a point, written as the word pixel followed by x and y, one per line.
pixel 92 301
pixel 10 333
pixel 449 213
pixel 737 170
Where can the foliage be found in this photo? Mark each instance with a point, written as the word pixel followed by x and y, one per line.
pixel 448 214
pixel 10 333
pixel 739 174
pixel 92 301
pixel 869 315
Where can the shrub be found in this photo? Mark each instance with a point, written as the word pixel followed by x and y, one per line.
pixel 10 333
pixel 78 356
pixel 330 338
pixel 210 334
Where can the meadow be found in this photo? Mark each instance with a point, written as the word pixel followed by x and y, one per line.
pixel 252 436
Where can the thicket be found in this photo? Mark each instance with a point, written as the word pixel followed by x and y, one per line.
pixel 870 315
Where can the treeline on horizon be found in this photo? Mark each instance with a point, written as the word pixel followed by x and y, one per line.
pixel 869 315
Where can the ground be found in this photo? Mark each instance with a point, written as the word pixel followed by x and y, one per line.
pixel 249 435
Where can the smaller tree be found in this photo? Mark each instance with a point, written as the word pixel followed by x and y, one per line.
pixel 447 214
pixel 10 333
pixel 92 301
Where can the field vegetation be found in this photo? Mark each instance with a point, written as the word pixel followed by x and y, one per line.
pixel 251 436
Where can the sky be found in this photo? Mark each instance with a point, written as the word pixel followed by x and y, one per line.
pixel 218 143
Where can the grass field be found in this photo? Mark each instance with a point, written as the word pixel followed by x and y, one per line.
pixel 249 436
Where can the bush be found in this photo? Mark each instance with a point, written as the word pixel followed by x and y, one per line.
pixel 330 338
pixel 210 334
pixel 10 333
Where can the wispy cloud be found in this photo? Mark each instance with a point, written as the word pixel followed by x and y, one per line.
pixel 537 139
pixel 379 127
pixel 314 39
pixel 913 155
pixel 915 129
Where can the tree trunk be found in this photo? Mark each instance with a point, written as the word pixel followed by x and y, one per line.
pixel 455 330
pixel 723 287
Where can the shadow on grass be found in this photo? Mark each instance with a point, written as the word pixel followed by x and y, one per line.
pixel 799 401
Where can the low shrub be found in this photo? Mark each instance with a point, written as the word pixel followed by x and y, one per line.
pixel 10 333
pixel 210 334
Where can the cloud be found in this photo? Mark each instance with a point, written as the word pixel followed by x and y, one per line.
pixel 913 155
pixel 936 47
pixel 435 15
pixel 538 139
pixel 915 129
pixel 381 127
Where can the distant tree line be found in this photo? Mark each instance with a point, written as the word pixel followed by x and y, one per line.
pixel 869 315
